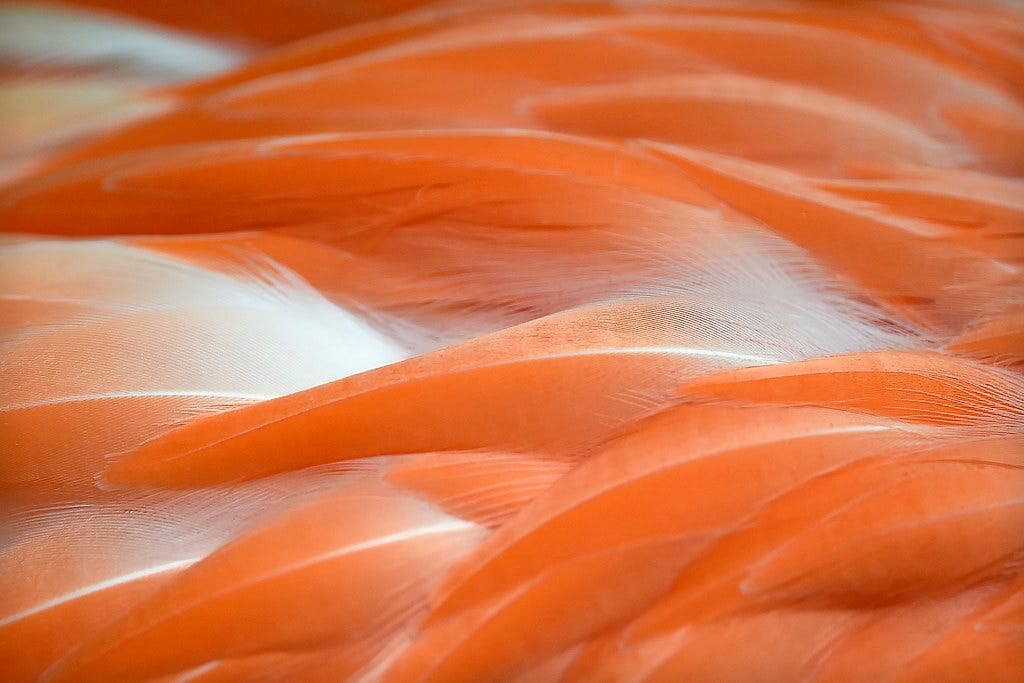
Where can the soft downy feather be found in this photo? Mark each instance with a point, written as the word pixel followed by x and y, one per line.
pixel 67 73
pixel 352 566
pixel 589 371
pixel 144 342
pixel 79 562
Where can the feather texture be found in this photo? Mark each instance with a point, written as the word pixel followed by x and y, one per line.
pixel 543 342
pixel 150 342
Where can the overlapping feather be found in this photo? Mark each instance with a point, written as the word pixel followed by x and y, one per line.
pixel 543 341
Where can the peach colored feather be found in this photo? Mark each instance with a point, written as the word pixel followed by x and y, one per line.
pixel 551 341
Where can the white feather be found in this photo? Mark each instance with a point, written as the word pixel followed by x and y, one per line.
pixel 55 34
pixel 146 324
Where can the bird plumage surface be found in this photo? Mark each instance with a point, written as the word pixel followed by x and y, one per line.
pixel 540 341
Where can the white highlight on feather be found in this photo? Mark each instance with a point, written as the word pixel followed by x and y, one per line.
pixel 153 326
pixel 83 71
pixel 64 35
pixel 114 395
pixel 100 586
pixel 681 350
pixel 193 674
pixel 439 528
pixel 81 548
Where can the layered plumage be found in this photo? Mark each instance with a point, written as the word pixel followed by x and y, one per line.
pixel 513 341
